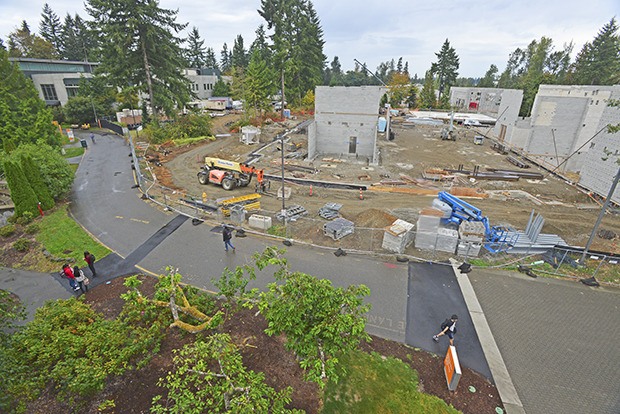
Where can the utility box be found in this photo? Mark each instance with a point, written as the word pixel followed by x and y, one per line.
pixel 338 228
pixel 259 222
pixel 398 236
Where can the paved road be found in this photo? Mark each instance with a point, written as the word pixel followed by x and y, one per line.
pixel 559 339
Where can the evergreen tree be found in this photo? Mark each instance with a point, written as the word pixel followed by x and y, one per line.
pixel 598 62
pixel 427 97
pixel 297 43
pixel 34 177
pixel 195 52
pixel 22 194
pixel 446 68
pixel 50 27
pixel 239 57
pixel 78 42
pixel 399 65
pixel 488 81
pixel 412 97
pixel 210 59
pixel 259 84
pixel 225 59
pixel 24 117
pixel 406 69
pixel 221 88
pixel 335 72
pixel 140 49
pixel 260 45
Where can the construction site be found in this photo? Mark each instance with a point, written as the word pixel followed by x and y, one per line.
pixel 406 196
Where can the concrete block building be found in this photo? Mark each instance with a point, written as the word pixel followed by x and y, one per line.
pixel 345 122
pixel 564 118
pixel 501 104
pixel 600 162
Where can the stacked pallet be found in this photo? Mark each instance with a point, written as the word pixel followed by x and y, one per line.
pixel 398 236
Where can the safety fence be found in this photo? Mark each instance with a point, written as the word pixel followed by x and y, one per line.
pixel 310 229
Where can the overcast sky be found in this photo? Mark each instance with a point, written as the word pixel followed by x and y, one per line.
pixel 482 32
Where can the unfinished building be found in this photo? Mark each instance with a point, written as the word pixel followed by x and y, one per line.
pixel 345 122
pixel 564 120
pixel 501 104
pixel 601 163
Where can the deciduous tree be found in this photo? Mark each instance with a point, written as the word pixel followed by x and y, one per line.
pixel 23 43
pixel 319 320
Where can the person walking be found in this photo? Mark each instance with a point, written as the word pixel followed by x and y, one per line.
pixel 66 269
pixel 81 279
pixel 90 259
pixel 227 236
pixel 92 137
pixel 448 327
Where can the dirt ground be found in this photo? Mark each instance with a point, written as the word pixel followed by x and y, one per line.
pixel 568 212
pixel 134 391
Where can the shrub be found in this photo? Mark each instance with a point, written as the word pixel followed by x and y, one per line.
pixel 7 231
pixel 33 228
pixel 22 245
pixel 26 218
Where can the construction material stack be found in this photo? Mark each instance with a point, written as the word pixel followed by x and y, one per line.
pixel 338 228
pixel 398 236
pixel 427 226
pixel 471 238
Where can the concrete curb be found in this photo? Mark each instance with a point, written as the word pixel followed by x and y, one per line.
pixel 503 382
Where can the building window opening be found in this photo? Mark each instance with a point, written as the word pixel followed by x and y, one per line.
pixel 49 92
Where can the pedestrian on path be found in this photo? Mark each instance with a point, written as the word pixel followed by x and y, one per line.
pixel 227 236
pixel 81 279
pixel 66 269
pixel 92 137
pixel 448 327
pixel 90 259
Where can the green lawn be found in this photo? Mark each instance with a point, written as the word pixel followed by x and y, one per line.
pixel 373 384
pixel 63 237
pixel 71 152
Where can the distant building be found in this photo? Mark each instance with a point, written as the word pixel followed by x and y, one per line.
pixel 501 104
pixel 345 121
pixel 55 80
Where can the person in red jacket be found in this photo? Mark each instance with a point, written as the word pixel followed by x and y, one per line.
pixel 90 259
pixel 66 269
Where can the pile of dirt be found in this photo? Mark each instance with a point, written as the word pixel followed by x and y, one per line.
pixel 374 218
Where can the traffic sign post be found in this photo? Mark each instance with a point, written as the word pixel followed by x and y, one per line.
pixel 452 368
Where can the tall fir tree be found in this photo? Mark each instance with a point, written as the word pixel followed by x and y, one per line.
pixel 489 78
pixel 428 99
pixel 446 68
pixel 22 194
pixel 210 59
pixel 598 62
pixel 77 40
pixel 258 85
pixel 195 53
pixel 239 57
pixel 50 27
pixel 225 59
pixel 261 46
pixel 34 177
pixel 140 48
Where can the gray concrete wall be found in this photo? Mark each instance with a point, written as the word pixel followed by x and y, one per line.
pixel 600 162
pixel 508 110
pixel 55 79
pixel 570 113
pixel 346 121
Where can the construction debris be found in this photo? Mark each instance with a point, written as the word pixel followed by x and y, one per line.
pixel 330 211
pixel 517 162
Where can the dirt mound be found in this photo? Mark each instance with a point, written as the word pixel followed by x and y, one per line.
pixel 374 218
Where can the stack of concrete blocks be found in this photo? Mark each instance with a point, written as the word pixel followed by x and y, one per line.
pixel 447 240
pixel 471 238
pixel 259 222
pixel 426 228
pixel 237 214
pixel 338 228
pixel 398 236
